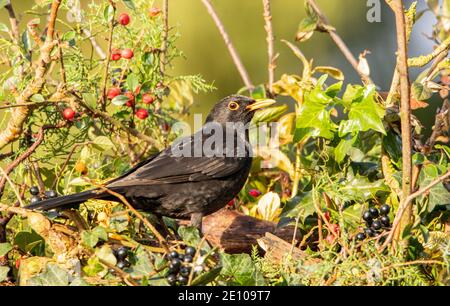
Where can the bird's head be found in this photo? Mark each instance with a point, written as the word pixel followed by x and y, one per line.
pixel 236 108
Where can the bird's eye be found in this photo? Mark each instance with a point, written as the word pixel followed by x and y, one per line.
pixel 233 106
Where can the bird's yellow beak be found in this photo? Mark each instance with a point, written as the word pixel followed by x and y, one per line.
pixel 260 104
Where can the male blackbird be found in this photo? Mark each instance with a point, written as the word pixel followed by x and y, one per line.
pixel 183 181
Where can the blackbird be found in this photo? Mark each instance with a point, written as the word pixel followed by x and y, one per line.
pixel 195 176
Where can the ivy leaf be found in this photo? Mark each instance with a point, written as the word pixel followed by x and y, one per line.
pixel 53 276
pixel 364 114
pixel 91 238
pixel 143 265
pixel 438 195
pixel 5 248
pixel 207 277
pixel 29 241
pixel 300 206
pixel 420 92
pixel 239 270
pixel 344 146
pixel 359 188
pixel 106 254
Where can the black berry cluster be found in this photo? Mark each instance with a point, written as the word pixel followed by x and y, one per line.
pixel 376 220
pixel 35 197
pixel 121 254
pixel 180 266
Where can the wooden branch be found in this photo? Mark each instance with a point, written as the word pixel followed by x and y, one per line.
pixel 405 108
pixel 19 115
pixel 339 42
pixel 237 61
pixel 270 39
pixel 165 37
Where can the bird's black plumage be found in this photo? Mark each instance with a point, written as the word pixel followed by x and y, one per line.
pixel 179 182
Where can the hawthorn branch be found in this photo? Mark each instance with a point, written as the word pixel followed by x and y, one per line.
pixel 405 109
pixel 270 39
pixel 339 42
pixel 234 55
pixel 19 115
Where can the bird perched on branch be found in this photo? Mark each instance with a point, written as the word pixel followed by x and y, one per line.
pixel 193 177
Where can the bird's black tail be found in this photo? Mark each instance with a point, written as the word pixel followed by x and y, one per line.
pixel 67 201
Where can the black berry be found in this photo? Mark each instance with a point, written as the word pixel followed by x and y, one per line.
pixel 367 216
pixel 182 280
pixel 376 225
pixel 122 253
pixel 385 221
pixel 360 236
pixel 190 251
pixel 34 190
pixel 34 199
pixel 374 212
pixel 173 255
pixel 50 194
pixel 172 279
pixel 188 258
pixel 175 263
pixel 185 271
pixel 385 209
pixel 121 264
pixel 369 232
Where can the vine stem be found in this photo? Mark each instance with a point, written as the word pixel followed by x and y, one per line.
pixel 235 56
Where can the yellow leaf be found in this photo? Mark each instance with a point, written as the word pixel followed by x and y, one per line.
pixel 269 206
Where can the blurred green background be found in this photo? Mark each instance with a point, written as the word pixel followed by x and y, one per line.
pixel 205 52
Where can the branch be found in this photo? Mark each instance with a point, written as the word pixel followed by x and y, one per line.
pixel 339 42
pixel 270 40
pixel 108 57
pixel 165 37
pixel 237 61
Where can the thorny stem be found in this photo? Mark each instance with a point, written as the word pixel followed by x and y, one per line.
pixel 237 61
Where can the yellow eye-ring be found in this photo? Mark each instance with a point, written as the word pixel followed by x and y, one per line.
pixel 233 106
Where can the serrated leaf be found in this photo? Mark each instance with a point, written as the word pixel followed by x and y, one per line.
pixel 120 100
pixel 143 265
pixel 331 71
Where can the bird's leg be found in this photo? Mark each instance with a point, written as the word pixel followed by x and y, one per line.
pixel 162 228
pixel 196 220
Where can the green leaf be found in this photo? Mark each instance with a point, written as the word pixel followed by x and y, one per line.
pixel 93 267
pixel 129 4
pixel 334 89
pixel 315 115
pixel 3 3
pixel 79 282
pixel 90 100
pixel 143 265
pixel 105 253
pixel 120 100
pixel 108 13
pixel 70 35
pixel 334 72
pixel 269 114
pixel 132 82
pixel 300 206
pixel 5 248
pixel 207 277
pixel 239 270
pixel 102 143
pixel 52 276
pixel 37 98
pixel 3 273
pixel 89 239
pixel 190 235
pixel 438 195
pixel 344 146
pixel 420 92
pixel 28 241
pixel 364 114
pixel 359 188
pixel 100 232
pixel 4 27
pixel 26 41
pixel 306 28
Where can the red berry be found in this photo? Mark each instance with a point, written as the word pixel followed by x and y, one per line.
pixel 115 54
pixel 130 96
pixel 148 98
pixel 142 113
pixel 113 92
pixel 18 260
pixel 254 193
pixel 154 11
pixel 69 114
pixel 124 19
pixel 231 203
pixel 127 53
pixel 327 216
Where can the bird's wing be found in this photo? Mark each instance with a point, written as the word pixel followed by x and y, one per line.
pixel 171 167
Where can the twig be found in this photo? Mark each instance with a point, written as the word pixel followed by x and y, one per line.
pixel 405 106
pixel 237 61
pixel 405 204
pixel 339 42
pixel 108 56
pixel 165 37
pixel 13 187
pixel 270 39
pixel 415 262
